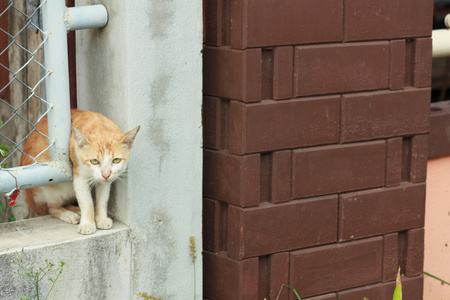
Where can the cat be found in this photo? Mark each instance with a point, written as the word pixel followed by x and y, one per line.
pixel 99 153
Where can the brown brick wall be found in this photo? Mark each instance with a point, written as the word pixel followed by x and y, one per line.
pixel 316 120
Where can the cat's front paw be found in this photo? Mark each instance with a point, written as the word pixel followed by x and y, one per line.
pixel 103 223
pixel 87 228
pixel 70 217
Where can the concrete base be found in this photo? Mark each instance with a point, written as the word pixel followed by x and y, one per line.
pixel 97 266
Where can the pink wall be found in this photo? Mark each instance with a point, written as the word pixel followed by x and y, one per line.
pixel 437 229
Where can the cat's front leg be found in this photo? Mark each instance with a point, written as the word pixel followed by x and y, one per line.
pixel 101 205
pixel 84 197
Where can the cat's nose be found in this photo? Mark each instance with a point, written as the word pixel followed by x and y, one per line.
pixel 106 173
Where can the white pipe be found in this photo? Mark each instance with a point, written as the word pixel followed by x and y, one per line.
pixel 32 176
pixel 85 17
pixel 441 42
pixel 57 84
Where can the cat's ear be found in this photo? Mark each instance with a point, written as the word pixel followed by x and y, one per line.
pixel 80 138
pixel 128 138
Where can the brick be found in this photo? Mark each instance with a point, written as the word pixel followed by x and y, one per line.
pixel 406 158
pixel 239 26
pixel 419 158
pixel 283 68
pixel 268 228
pixel 214 218
pixel 281 176
pixel 386 19
pixel 259 23
pixel 331 268
pixel 232 73
pixel 338 68
pixel 279 275
pixel 225 278
pixel 409 62
pixel 267 72
pixel 217 23
pixel 232 179
pixel 397 64
pixel 379 211
pixel 393 161
pixel 412 288
pixel 423 60
pixel 439 141
pixel 390 256
pixel 276 125
pixel 264 277
pixel 385 114
pixel 265 177
pixel 338 168
pixel 213 112
pixel 414 252
pixel 381 291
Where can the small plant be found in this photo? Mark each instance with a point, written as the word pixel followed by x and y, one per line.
pixel 4 209
pixel 148 297
pixel 11 200
pixel 36 275
pixel 437 278
pixel 398 287
pixel 194 257
pixel 291 288
pixel 4 150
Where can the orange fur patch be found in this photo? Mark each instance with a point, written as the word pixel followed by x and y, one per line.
pixel 104 136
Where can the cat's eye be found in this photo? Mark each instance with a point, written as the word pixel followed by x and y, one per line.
pixel 94 161
pixel 117 160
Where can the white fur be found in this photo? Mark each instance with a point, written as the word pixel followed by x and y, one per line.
pixel 61 194
pixel 101 205
pixel 70 217
pixel 84 197
pixel 92 175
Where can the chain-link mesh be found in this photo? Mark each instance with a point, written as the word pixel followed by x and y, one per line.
pixel 22 74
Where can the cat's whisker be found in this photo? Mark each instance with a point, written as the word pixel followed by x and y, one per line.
pixel 124 173
pixel 92 182
pixel 122 178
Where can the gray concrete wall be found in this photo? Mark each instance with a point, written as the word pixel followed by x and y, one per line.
pixel 143 69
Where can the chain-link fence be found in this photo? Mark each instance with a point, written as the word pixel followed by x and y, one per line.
pixel 22 75
pixel 33 84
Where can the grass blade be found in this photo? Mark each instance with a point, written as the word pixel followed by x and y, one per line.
pixel 437 278
pixel 291 288
pixel 398 287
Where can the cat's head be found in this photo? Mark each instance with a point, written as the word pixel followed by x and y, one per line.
pixel 103 157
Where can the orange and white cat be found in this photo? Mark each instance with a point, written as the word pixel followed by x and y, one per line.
pixel 99 153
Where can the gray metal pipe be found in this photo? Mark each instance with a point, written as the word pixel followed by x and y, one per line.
pixel 85 17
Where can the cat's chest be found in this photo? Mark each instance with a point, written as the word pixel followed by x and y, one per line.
pixel 62 193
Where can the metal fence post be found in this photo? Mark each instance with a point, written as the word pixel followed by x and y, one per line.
pixel 57 84
pixel 56 20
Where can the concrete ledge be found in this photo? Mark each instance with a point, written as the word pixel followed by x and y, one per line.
pixel 97 266
pixel 44 231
